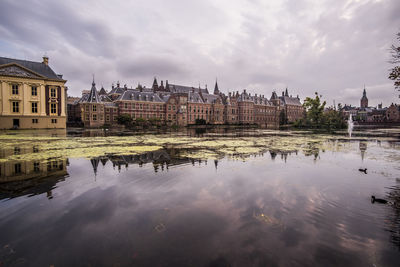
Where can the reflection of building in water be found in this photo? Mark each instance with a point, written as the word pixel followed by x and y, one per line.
pixel 165 158
pixel 18 176
pixel 363 148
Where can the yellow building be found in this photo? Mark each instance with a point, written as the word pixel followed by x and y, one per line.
pixel 32 95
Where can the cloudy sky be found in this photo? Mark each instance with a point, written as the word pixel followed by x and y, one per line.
pixel 330 46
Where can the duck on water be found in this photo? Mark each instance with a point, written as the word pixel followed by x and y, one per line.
pixel 378 200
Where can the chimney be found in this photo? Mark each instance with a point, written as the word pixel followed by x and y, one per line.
pixel 45 60
pixel 118 84
pixel 283 93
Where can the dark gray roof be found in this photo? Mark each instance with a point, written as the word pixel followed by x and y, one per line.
pixel 208 98
pixel 174 88
pixel 105 98
pixel 84 98
pixel 140 96
pixel 194 97
pixel 93 96
pixel 37 67
pixel 287 100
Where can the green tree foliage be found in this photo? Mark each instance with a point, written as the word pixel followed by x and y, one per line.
pixel 124 119
pixel 200 121
pixel 283 118
pixel 314 109
pixel 394 74
pixel 318 118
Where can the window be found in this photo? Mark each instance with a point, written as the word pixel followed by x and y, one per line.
pixel 101 117
pixel 17 151
pixel 126 105
pixel 36 167
pixel 34 107
pixel 17 168
pixel 15 89
pixel 34 90
pixel 53 108
pixel 94 117
pixel 35 121
pixel 86 117
pixel 107 117
pixel 35 149
pixel 15 106
pixel 94 108
pixel 53 120
pixel 87 108
pixel 53 92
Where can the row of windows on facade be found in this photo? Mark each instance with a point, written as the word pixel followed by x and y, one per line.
pixel 34 91
pixel 51 165
pixel 34 107
pixel 160 107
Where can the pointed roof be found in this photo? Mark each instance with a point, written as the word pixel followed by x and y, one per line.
pixel 95 163
pixel 286 92
pixel 102 91
pixel 155 83
pixel 364 93
pixel 216 90
pixel 93 95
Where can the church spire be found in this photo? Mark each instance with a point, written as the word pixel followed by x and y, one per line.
pixel 155 84
pixel 286 92
pixel 216 90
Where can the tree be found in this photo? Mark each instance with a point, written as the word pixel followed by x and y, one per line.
pixel 395 71
pixel 124 119
pixel 314 110
pixel 317 117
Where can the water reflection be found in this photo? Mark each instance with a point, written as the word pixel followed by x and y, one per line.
pixel 219 203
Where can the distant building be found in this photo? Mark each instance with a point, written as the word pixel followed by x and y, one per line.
pixel 173 104
pixel 32 95
pixel 393 113
pixel 364 100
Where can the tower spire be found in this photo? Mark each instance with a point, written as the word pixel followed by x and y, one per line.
pixel 216 89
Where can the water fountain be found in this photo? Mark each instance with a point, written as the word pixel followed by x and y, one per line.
pixel 350 125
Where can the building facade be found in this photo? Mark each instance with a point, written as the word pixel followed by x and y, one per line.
pixel 172 104
pixel 32 95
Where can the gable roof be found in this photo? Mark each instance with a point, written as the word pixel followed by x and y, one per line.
pixel 37 67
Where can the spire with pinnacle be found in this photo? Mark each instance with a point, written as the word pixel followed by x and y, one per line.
pixel 155 84
pixel 93 95
pixel 286 92
pixel 216 90
pixel 364 99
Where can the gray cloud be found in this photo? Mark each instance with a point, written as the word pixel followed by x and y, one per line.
pixel 333 47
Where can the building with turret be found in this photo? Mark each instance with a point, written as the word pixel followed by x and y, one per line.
pixel 173 104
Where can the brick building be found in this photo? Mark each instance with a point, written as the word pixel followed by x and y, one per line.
pixel 174 104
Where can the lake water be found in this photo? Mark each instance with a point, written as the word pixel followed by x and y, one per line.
pixel 241 198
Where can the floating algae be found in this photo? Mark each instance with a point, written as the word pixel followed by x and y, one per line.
pixel 208 147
